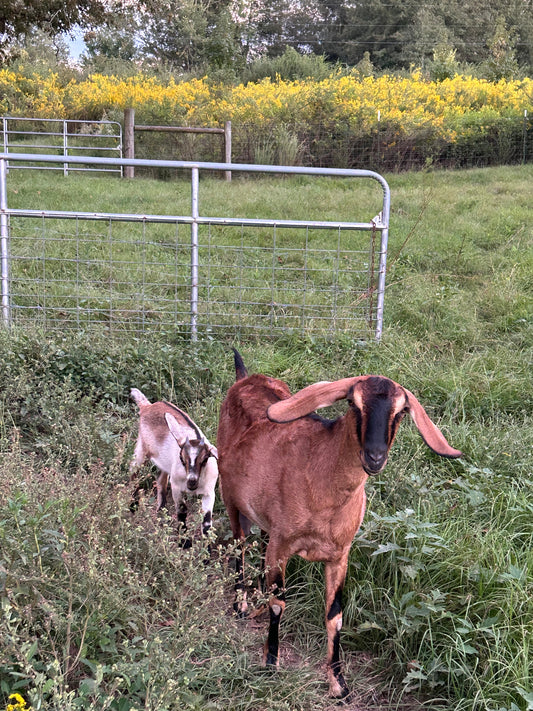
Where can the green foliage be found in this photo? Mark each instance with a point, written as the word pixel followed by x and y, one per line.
pixel 444 64
pixel 44 15
pixel 102 609
pixel 290 65
pixel 501 62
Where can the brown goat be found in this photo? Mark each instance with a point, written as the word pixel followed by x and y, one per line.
pixel 301 478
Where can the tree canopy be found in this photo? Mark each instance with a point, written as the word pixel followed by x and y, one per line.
pixel 20 17
pixel 204 35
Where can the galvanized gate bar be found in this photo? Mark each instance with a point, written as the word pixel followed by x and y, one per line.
pixel 63 133
pixel 194 252
pixel 4 242
pixel 379 223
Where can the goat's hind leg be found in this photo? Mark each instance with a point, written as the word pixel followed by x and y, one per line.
pixel 240 527
pixel 275 581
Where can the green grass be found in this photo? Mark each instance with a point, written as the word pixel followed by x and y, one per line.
pixel 103 610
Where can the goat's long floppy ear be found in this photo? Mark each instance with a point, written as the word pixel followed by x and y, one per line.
pixel 431 434
pixel 213 451
pixel 309 399
pixel 175 430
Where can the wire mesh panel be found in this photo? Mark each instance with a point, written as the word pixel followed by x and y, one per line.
pixel 272 279
pixel 74 273
pixel 195 275
pixel 135 277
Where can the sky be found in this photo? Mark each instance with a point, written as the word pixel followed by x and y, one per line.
pixel 75 44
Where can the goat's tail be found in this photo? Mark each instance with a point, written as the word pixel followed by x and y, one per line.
pixel 139 398
pixel 240 368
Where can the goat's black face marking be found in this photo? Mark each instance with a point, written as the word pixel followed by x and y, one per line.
pixel 374 407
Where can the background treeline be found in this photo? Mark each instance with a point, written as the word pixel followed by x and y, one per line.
pixel 244 39
pixel 386 85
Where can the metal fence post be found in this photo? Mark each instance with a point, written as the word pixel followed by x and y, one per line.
pixel 4 238
pixel 384 217
pixel 194 252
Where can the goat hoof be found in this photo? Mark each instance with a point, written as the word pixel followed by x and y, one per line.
pixel 186 543
pixel 271 662
pixel 338 689
pixel 242 613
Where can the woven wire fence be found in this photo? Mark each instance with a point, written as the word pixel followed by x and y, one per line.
pixel 74 273
pixel 192 275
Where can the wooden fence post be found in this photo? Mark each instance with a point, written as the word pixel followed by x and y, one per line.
pixel 129 140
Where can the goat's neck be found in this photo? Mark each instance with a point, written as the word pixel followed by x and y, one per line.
pixel 349 471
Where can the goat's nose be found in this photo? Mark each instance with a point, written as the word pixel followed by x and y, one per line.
pixel 192 483
pixel 376 458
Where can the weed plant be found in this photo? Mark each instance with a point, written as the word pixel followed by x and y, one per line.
pixel 103 609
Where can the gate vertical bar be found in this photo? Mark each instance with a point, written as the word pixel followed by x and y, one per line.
pixel 65 148
pixel 385 217
pixel 4 237
pixel 194 252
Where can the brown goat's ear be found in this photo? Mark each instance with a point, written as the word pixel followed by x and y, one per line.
pixel 310 399
pixel 431 434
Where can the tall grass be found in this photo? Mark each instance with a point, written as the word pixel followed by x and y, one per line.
pixel 102 609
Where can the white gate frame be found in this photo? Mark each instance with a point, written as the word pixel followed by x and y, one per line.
pixel 379 223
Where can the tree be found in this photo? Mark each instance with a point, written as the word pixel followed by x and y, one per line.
pixel 19 17
pixel 501 63
pixel 398 33
pixel 114 46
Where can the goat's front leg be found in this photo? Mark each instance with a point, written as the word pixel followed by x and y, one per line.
pixel 275 581
pixel 161 486
pixel 208 501
pixel 335 575
pixel 180 504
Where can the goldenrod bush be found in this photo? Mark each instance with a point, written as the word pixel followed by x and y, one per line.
pixel 397 121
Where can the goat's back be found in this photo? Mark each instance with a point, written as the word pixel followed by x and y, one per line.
pixel 245 404
pixel 153 420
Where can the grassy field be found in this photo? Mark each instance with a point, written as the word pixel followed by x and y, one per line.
pixel 101 609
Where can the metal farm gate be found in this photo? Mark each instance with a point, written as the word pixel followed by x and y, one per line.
pixel 61 137
pixel 202 276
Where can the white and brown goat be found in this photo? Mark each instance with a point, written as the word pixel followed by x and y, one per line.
pixel 182 453
pixel 301 478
